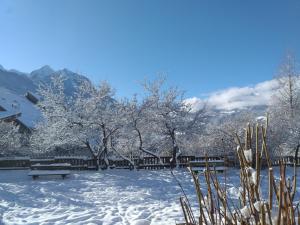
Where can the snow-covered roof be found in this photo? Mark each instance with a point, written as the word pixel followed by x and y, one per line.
pixel 6 115
pixel 14 104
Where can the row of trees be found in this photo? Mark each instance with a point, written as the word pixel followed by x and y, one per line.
pixel 158 123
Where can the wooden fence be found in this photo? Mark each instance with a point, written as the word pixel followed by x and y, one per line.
pixel 148 163
pixel 287 160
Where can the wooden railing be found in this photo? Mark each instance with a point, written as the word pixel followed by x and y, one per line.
pixel 83 163
pixel 148 163
pixel 288 160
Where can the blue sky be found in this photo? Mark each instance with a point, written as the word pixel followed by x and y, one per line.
pixel 202 46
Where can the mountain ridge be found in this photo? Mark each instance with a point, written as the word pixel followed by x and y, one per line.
pixel 20 83
pixel 225 101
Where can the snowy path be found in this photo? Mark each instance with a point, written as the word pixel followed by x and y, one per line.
pixel 104 197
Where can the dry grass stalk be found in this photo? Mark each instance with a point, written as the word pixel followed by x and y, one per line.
pixel 216 208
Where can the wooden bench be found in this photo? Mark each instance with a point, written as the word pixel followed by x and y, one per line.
pixel 52 166
pixel 217 165
pixel 59 169
pixel 37 173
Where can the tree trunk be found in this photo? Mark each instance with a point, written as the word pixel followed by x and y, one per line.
pixel 142 150
pixel 95 156
pixel 173 159
pixel 105 159
pixel 104 152
pixel 96 162
pixel 175 148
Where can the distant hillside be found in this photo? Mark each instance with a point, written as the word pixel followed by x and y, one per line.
pixel 16 82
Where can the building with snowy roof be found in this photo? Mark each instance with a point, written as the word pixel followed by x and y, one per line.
pixel 20 109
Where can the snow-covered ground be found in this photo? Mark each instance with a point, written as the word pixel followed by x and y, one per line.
pixel 104 197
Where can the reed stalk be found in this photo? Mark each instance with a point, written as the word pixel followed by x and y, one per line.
pixel 215 205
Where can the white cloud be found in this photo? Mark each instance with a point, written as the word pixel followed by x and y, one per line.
pixel 238 97
pixel 195 103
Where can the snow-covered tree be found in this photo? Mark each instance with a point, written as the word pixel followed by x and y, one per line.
pixel 174 117
pixel 101 116
pixel 288 95
pixel 141 128
pixel 285 108
pixel 89 119
pixel 56 128
pixel 161 123
pixel 11 139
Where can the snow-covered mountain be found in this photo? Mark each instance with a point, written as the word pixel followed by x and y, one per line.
pixel 45 74
pixel 20 83
pixel 15 81
pixel 40 74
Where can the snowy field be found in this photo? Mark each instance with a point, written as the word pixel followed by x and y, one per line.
pixel 104 197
